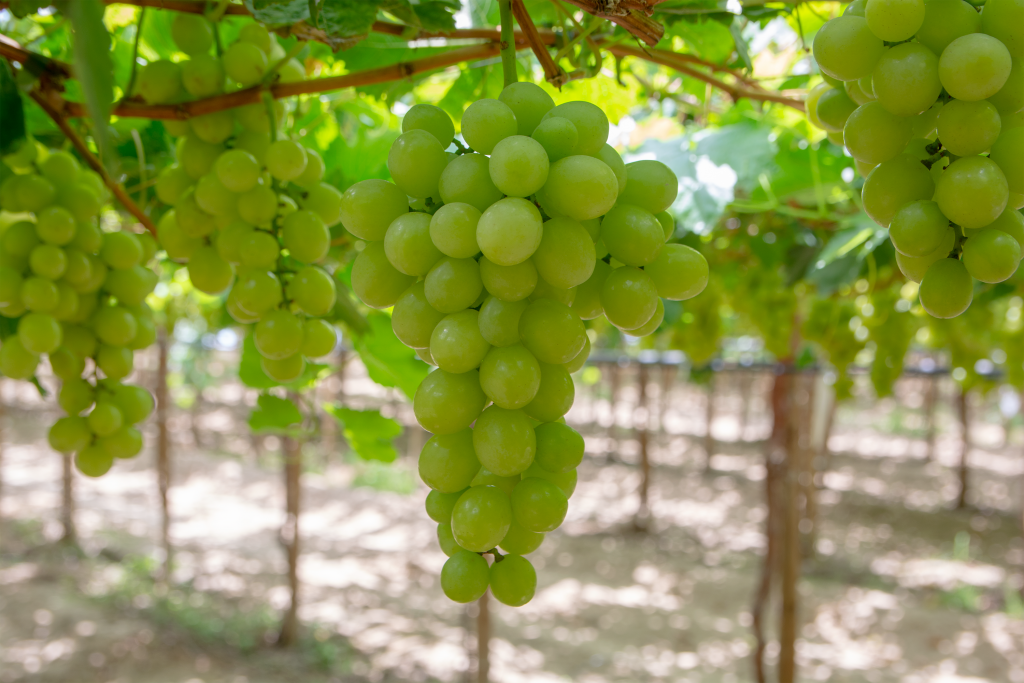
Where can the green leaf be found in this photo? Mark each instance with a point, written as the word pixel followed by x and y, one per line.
pixel 94 68
pixel 742 49
pixel 388 361
pixel 370 434
pixel 429 15
pixel 348 18
pixel 274 414
pixel 12 111
pixel 279 11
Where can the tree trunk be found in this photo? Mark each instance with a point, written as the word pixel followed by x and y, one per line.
pixel 483 640
pixel 290 536
pixel 163 452
pixel 807 450
pixel 640 423
pixel 709 419
pixel 668 378
pixel 965 447
pixel 931 396
pixel 2 415
pixel 67 499
pixel 614 383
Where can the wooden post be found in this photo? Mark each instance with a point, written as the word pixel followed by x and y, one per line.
pixel 668 379
pixel 640 422
pixel 2 414
pixel 483 640
pixel 614 384
pixel 290 536
pixel 163 451
pixel 805 448
pixel 965 447
pixel 709 419
pixel 67 499
pixel 931 396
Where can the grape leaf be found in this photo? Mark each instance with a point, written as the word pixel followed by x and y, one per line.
pixel 429 15
pixel 370 434
pixel 279 11
pixel 348 18
pixel 12 111
pixel 273 414
pixel 388 361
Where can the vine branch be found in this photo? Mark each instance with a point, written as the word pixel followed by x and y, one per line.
pixel 552 72
pixel 508 46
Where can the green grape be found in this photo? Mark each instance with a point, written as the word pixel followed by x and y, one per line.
pixel 314 171
pixel 318 338
pixel 446 539
pixel 487 478
pixel 467 179
pixel 504 442
pixel 245 63
pixel 832 108
pixel 213 128
pixel 75 396
pixel 551 331
pixel 35 192
pixel 519 541
pixel 160 82
pixel 105 419
pixel 632 235
pixel 945 21
pixel 229 241
pixel 1008 155
pixel 376 282
pixel 651 326
pixel 518 166
pixel 651 185
pixel 445 403
pixel 60 168
pixel 369 207
pixel 510 376
pixel 17 362
pixel 565 257
pixel 608 155
pixel 68 302
pixel 213 197
pixel 874 135
pixel 134 402
pixel 93 461
pixel 65 364
pixel 464 577
pixel 286 159
pixel 440 505
pixel 291 71
pixel 237 170
pixel 554 395
pixel 968 128
pixel 906 79
pixel 48 261
pixel 116 362
pixel 10 286
pixel 80 199
pixel 857 93
pixel 558 136
pixel 946 289
pixel 258 249
pixel 55 225
pixel 88 237
pixel 679 272
pixel 991 255
pixel 546 290
pixel 456 344
pixel 1012 223
pixel 284 370
pixel 432 119
pixel 20 239
pixel 894 20
pixel 192 33
pixel 258 206
pixel 590 121
pixel 1010 98
pixel 69 434
pixel 278 335
pixel 529 103
pixel 453 284
pixel 190 217
pixel 565 481
pixel 115 325
pixel 39 333
pixel 974 67
pixel 197 157
pixel 919 228
pixel 539 505
pixel 972 192
pixel 202 76
pixel 121 249
pixel 893 184
pixel 313 290
pixel 237 311
pixel 254 118
pixel 305 236
pixel 176 243
pixel 325 201
pixel 257 35
pixel 416 161
pixel 580 187
pixel 509 231
pixel 1004 19
pixel 39 294
pixel 629 297
pixel 587 301
pixel 481 518
pixel 499 320
pixel 208 272
pixel 487 122
pixel 408 245
pixel 513 580
pixel 453 230
pixel 560 448
pixel 413 319
pixel 448 462
pixel 80 341
pixel 125 443
pixel 508 283
pixel 845 48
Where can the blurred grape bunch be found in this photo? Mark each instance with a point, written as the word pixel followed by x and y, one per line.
pixel 828 324
pixel 698 331
pixel 891 330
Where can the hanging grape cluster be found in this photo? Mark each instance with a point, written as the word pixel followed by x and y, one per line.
pixel 508 247
pixel 929 100
pixel 250 214
pixel 78 294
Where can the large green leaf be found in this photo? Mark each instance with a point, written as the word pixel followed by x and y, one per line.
pixel 348 18
pixel 94 68
pixel 273 414
pixel 279 11
pixel 388 361
pixel 370 434
pixel 12 111
pixel 429 15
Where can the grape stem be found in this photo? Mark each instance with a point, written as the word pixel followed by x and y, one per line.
pixel 135 53
pixel 552 72
pixel 508 43
pixel 272 71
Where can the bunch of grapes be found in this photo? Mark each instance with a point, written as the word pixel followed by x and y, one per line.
pixel 251 216
pixel 699 329
pixel 507 249
pixel 78 294
pixel 830 323
pixel 770 305
pixel 929 100
pixel 891 330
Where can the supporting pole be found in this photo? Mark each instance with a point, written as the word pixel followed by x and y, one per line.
pixel 67 499
pixel 483 640
pixel 614 383
pixel 163 452
pixel 290 537
pixel 709 419
pixel 965 447
pixel 931 396
pixel 640 422
pixel 668 378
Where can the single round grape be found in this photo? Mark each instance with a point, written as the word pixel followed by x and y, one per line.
pixel 375 281
pixel 245 63
pixel 520 541
pixel 448 462
pixel 75 395
pixel 565 481
pixel 65 364
pixel 518 166
pixel 313 173
pixel 256 34
pixel 190 217
pixel 134 402
pixel 370 206
pixel 17 362
pixel 413 318
pixel 39 333
pixel 286 159
pixel 919 228
pixel 560 448
pixel 1004 19
pixel 60 167
pixel 446 539
pixel 115 325
pixel 974 67
pixel 632 234
pixel 325 201
pixel 968 128
pixel 408 245
pixel 116 362
pixel 504 441
pixel 81 200
pixel 258 291
pixel 68 303
pixel 213 128
pixel 10 286
pixel 679 272
pixel 590 121
pixel 487 478
pixel 145 335
pixel 831 108
pixel 539 505
pixel 453 230
pixel 440 505
pixel 446 403
pixel 487 122
pixel 453 284
pixel 69 434
pixel 587 301
pixel 305 236
pixel 874 135
pixel 945 21
pixel 258 206
pixel 125 443
pixel 558 136
pixel 467 179
pixel 94 461
pixel 581 187
pixel 845 48
pixel 39 294
pixel 55 225
pixel 651 185
pixel 510 376
pixel 238 313
pixel 464 577
pixel 313 290
pixel 1008 154
pixel 237 170
pixel 456 344
pixel 509 283
pixel 947 289
pixel 213 197
pixel 202 76
pixel 160 82
pixel 258 249
pixel 192 33
pixel 509 231
pixel 284 370
pixel 88 237
pixel 1011 222
pixel 551 331
pixel 991 255
pixel 208 272
pixel 499 320
pixel 105 419
pixel 629 297
pixel 481 518
pixel 1010 98
pixel 972 192
pixel 566 255
pixel 892 185
pixel 554 395
pixel 172 183
pixel 197 157
pixel 652 325
pixel 278 335
pixel 79 340
pixel 121 249
pixel 513 581
pixel 894 20
pixel 20 239
pixel 47 260
pixel 906 79
pixel 416 161
pixel 529 103
pixel 176 243
pixel 432 119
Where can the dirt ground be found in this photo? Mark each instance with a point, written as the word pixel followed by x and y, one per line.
pixel 901 588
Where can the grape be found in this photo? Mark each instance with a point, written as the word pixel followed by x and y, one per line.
pixel 968 128
pixel 20 239
pixel 16 361
pixel 305 236
pixel 947 289
pixel 565 481
pixel 467 179
pixel 558 136
pixel 440 505
pixel 68 303
pixel 116 362
pixel 906 79
pixel 445 537
pixel 845 48
pixel 257 35
pixel 134 402
pixel 121 250
pixel 551 331
pixel 313 173
pixel 1008 155
pixel 255 119
pixel 653 324
pixel 894 20
pixel 197 157
pixel 10 286
pixel 60 168
pixel 538 505
pixel 54 225
pixel 39 294
pixel 629 297
pixel 65 364
pixel 529 103
pixel 93 461
pixel 176 243
pixel 376 282
pixel 325 201
pixel 453 230
pixel 369 207
pixel 213 197
pixel 991 255
pixel 145 334
pixel 115 325
pixel 284 370
pixel 192 33
pixel 48 261
pixel 413 319
pixel 833 107
pixel 453 284
pixel 510 376
pixel 487 478
pixel 587 301
pixel 408 244
pixel 590 122
pixel 974 67
pixel 633 235
pixel 286 159
pixel 945 21
pixel 416 161
pixel 513 580
pixel 69 434
pixel 105 419
pixel 481 518
pixel 245 63
pixel 972 192
pixel 918 229
pixel 856 93
pixel 581 187
pixel 160 82
pixel 520 541
pixel 679 272
pixel 446 403
pixel 208 272
pixel 39 333
pixel 259 291
pixel 448 462
pixel 893 184
pixel 874 135
pixel 202 76
pixel 258 249
pixel 1004 19
pixel 518 166
pixel 456 344
pixel 504 442
pixel 554 395
pixel 278 335
pixel 237 170
pixel 546 290
pixel 432 119
pixel 464 577
pixel 651 185
pixel 213 128
pixel 79 341
pixel 499 320
pixel 509 231
pixel 487 122
pixel 1010 98
pixel 124 443
pixel 560 448
pixel 80 199
pixel 1012 223
pixel 313 291
pixel 508 283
